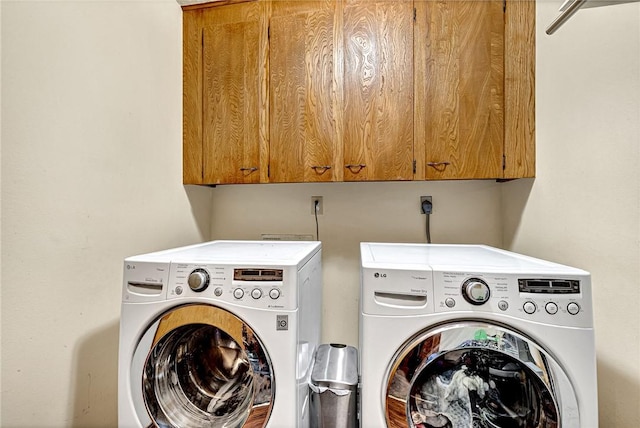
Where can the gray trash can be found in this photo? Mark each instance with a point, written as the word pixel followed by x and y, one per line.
pixel 334 387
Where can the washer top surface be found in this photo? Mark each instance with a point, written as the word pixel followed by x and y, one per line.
pixel 283 253
pixel 458 257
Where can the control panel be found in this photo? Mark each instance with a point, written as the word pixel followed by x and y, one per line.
pixel 257 287
pixel 548 300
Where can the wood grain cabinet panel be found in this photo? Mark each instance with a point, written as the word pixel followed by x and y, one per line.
pixel 303 113
pixel 224 80
pixel 232 88
pixel 378 90
pixel 519 89
pixel 459 79
pixel 192 97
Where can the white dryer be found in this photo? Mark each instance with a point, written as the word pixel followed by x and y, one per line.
pixel 471 336
pixel 219 334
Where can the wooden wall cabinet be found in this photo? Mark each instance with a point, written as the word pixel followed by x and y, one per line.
pixel 358 90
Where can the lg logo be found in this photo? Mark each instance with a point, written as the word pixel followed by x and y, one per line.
pixel 379 275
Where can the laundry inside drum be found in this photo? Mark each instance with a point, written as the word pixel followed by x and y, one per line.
pixel 479 388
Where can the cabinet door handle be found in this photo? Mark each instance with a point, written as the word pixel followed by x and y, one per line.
pixel 438 166
pixel 248 170
pixel 321 169
pixel 355 168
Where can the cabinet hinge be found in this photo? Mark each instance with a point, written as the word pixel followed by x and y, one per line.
pixel 415 15
pixel 269 171
pixel 504 6
pixel 504 162
pixel 414 166
pixel 269 32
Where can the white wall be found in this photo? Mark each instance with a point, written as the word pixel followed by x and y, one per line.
pixel 583 208
pixel 91 173
pixel 464 212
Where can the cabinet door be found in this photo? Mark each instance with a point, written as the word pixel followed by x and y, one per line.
pixel 234 54
pixel 378 90
pixel 303 143
pixel 459 88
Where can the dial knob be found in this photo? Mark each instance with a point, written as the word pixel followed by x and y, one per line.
pixel 198 280
pixel 475 291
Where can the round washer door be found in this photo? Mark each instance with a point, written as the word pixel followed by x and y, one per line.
pixel 477 375
pixel 203 367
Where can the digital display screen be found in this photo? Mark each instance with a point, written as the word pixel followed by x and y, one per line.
pixel 251 274
pixel 549 286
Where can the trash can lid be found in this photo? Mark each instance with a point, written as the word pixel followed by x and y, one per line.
pixel 335 366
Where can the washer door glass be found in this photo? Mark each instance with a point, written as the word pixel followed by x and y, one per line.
pixel 206 368
pixel 475 375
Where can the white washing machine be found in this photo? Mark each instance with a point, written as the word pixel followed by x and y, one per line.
pixel 220 334
pixel 472 336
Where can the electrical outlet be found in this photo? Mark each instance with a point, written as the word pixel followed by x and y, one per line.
pixel 425 198
pixel 318 199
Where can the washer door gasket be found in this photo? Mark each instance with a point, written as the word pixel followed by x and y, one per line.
pixel 477 375
pixel 206 368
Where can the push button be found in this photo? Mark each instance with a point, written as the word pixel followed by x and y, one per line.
pixel 529 307
pixel 274 293
pixel 573 308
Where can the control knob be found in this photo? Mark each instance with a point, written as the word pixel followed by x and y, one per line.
pixel 475 291
pixel 198 280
